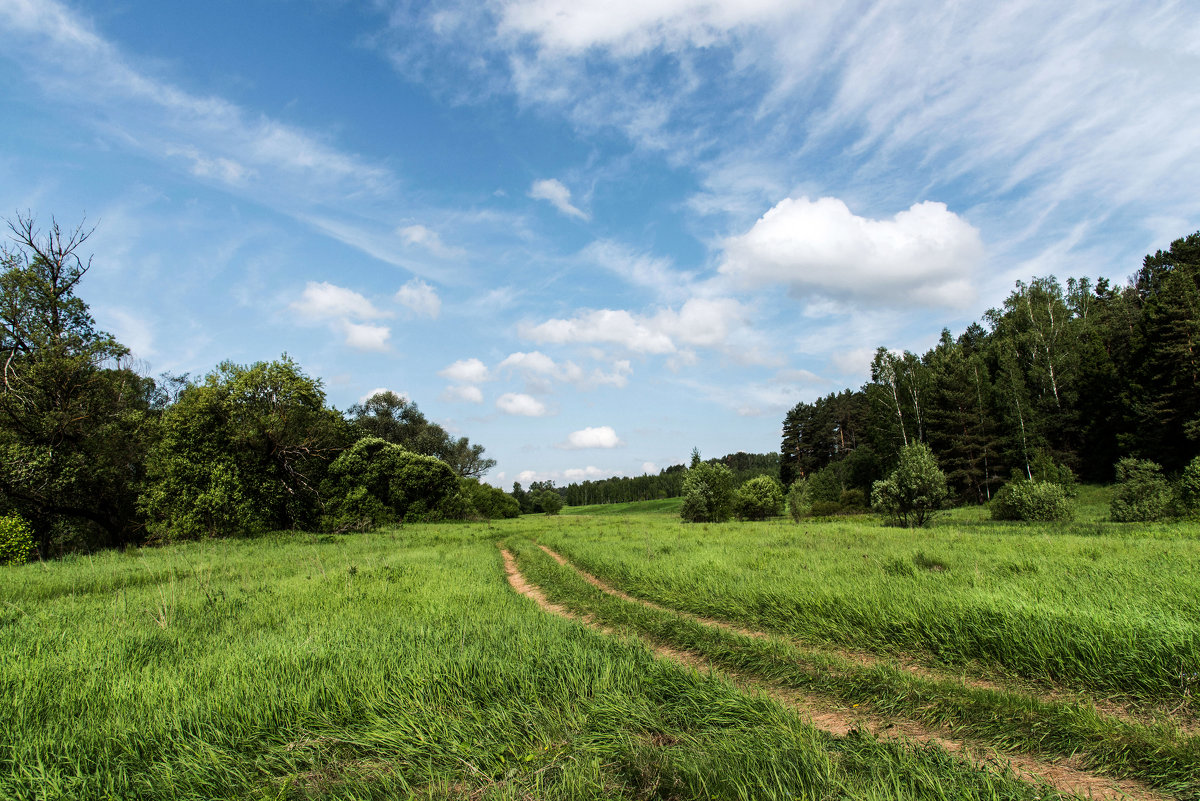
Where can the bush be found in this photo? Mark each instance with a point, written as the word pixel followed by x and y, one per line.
pixel 799 502
pixel 374 482
pixel 826 508
pixel 759 498
pixel 914 491
pixel 1032 500
pixel 707 493
pixel 550 502
pixel 488 502
pixel 1142 494
pixel 1189 489
pixel 16 540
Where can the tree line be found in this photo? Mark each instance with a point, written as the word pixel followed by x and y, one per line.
pixel 95 455
pixel 1075 376
pixel 668 483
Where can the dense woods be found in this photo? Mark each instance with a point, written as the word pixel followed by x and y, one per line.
pixel 1079 375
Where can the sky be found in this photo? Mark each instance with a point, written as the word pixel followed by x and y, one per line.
pixel 591 235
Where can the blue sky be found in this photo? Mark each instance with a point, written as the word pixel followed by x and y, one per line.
pixel 591 235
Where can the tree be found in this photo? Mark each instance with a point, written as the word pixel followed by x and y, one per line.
pixel 707 492
pixel 243 452
pixel 915 491
pixel 549 501
pixel 758 499
pixel 1142 494
pixel 374 482
pixel 397 419
pixel 75 421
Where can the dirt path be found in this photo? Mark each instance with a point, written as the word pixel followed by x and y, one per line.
pixel 1062 776
pixel 1113 709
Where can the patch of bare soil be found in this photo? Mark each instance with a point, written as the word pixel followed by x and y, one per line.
pixel 1066 776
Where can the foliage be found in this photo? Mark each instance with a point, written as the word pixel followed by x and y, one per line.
pixel 75 421
pixel 374 482
pixel 1022 499
pixel 487 501
pixel 243 452
pixel 758 499
pixel 16 540
pixel 799 500
pixel 707 492
pixel 1189 489
pixel 1142 494
pixel 549 502
pixel 397 419
pixel 914 491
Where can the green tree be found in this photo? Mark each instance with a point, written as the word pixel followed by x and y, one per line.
pixel 488 501
pixel 915 491
pixel 243 452
pixel 549 501
pixel 1142 494
pixel 75 421
pixel 758 499
pixel 398 420
pixel 707 492
pixel 374 482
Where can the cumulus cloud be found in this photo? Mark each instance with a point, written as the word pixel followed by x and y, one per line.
pixel 599 437
pixel 466 371
pixel 468 393
pixel 650 469
pixel 926 255
pixel 706 322
pixel 364 336
pixel 612 326
pixel 419 298
pixel 516 403
pixel 539 371
pixel 554 192
pixel 322 300
pixel 587 473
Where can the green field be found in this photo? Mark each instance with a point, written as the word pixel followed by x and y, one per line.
pixel 401 663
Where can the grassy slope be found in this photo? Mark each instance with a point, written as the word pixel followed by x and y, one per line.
pixel 377 666
pixel 666 506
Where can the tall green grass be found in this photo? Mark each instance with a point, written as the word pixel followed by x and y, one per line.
pixel 1104 608
pixel 387 665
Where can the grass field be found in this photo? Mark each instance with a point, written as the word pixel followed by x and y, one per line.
pixel 400 663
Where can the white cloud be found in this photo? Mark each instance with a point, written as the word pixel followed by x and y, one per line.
pixel 420 298
pixel 325 301
pixel 588 473
pixel 617 327
pixel 468 393
pixel 650 469
pixel 705 322
pixel 378 391
pixel 539 370
pixel 466 371
pixel 553 191
pixel 926 255
pixel 599 437
pixel 132 331
pixel 364 336
pixel 639 269
pixel 522 405
pixel 427 238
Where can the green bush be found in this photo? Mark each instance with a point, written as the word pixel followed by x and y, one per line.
pixel 16 540
pixel 1142 493
pixel 1189 489
pixel 1032 500
pixel 759 498
pixel 914 491
pixel 799 500
pixel 550 502
pixel 826 508
pixel 488 502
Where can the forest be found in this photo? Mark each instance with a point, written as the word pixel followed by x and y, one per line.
pixel 1079 376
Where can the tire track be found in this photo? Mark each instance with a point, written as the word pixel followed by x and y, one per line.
pixel 1063 777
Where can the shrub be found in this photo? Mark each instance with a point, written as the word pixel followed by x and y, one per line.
pixel 707 493
pixel 799 502
pixel 914 491
pixel 16 540
pixel 1142 494
pixel 853 500
pixel 826 508
pixel 488 502
pixel 759 498
pixel 1022 499
pixel 1189 489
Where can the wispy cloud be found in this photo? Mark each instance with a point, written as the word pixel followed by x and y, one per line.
pixel 557 195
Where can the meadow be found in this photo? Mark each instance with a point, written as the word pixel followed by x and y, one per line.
pixel 400 663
